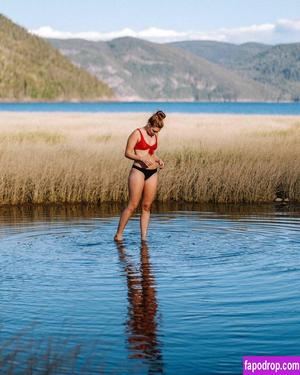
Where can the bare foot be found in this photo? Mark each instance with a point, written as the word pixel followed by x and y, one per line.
pixel 117 238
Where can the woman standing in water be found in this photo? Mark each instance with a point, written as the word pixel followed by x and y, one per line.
pixel 143 176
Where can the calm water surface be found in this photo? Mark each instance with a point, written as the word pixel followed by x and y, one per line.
pixel 211 285
pixel 180 107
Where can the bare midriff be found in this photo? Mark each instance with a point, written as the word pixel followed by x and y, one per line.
pixel 145 154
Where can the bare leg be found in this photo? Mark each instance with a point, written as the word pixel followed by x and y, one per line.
pixel 149 193
pixel 135 185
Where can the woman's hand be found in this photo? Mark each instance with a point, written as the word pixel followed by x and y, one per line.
pixel 160 163
pixel 147 162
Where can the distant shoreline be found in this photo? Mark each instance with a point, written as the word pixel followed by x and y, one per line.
pixel 145 101
pixel 117 115
pixel 186 107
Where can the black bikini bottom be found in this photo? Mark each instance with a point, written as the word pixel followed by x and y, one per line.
pixel 147 172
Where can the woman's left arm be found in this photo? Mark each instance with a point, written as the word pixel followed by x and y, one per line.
pixel 159 161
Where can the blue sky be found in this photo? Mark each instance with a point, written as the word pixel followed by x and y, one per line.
pixel 270 21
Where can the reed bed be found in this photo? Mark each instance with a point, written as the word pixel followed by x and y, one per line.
pixel 76 157
pixel 25 354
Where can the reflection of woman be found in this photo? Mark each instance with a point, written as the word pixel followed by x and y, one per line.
pixel 142 311
pixel 142 180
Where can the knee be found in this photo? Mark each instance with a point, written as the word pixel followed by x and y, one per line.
pixel 132 207
pixel 146 207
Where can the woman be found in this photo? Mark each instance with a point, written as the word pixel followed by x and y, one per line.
pixel 142 180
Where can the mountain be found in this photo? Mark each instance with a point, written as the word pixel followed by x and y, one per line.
pixel 31 69
pixel 225 54
pixel 138 69
pixel 278 66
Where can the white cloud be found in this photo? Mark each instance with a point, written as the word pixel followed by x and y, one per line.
pixel 288 24
pixel 48 32
pixel 281 31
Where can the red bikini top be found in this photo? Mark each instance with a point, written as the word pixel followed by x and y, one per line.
pixel 143 145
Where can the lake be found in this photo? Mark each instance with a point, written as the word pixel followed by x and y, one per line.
pixel 212 284
pixel 170 107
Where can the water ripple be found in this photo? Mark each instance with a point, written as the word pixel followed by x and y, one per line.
pixel 208 288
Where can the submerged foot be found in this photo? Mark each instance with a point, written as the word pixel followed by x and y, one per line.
pixel 118 238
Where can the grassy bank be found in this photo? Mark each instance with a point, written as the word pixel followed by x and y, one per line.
pixel 54 157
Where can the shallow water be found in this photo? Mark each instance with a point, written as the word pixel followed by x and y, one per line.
pixel 211 285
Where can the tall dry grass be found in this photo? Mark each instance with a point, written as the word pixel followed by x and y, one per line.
pixel 24 353
pixel 54 157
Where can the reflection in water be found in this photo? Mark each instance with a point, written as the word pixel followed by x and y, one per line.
pixel 206 273
pixel 142 311
pixel 33 213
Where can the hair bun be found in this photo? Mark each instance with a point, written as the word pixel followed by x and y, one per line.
pixel 157 119
pixel 160 114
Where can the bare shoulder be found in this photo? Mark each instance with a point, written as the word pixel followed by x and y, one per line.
pixel 135 131
pixel 135 135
